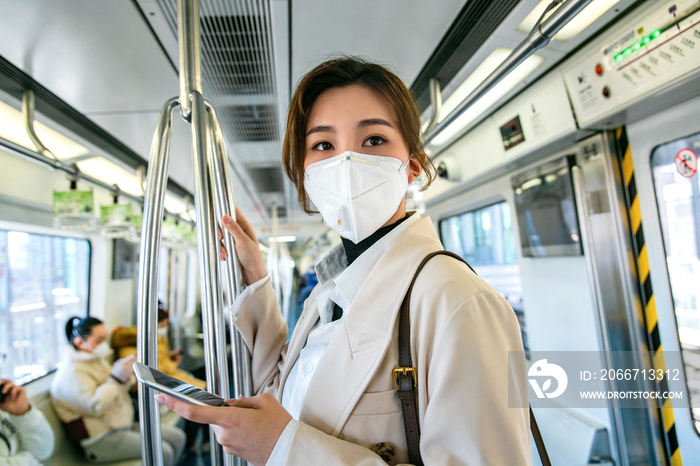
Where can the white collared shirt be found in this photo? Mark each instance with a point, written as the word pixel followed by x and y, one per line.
pixel 338 283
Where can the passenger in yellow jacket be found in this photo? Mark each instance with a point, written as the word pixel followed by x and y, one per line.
pixel 124 342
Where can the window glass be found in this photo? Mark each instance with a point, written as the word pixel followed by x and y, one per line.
pixel 674 167
pixel 486 240
pixel 43 281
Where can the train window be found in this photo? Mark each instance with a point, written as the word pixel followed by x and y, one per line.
pixel 486 240
pixel 674 169
pixel 43 281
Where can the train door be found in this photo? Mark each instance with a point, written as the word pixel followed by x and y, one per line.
pixel 573 284
pixel 663 150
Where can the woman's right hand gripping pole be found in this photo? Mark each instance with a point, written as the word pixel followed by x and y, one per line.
pixel 247 248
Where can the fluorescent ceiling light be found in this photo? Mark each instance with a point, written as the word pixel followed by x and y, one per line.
pixel 581 21
pixel 490 98
pixel 281 239
pixel 472 82
pixel 531 183
pixel 174 204
pixel 111 173
pixel 12 129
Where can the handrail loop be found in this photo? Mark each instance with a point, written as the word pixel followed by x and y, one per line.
pixel 435 104
pixel 28 114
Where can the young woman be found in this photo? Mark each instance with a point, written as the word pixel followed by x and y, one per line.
pixel 91 398
pixel 352 147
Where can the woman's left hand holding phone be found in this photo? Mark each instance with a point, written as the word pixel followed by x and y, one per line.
pixel 248 427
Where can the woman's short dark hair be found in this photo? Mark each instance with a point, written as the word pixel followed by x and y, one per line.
pixel 342 72
pixel 163 313
pixel 80 328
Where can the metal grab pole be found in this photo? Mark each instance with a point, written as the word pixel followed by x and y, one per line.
pixel 211 177
pixel 190 54
pixel 231 268
pixel 147 301
pixel 213 324
pixel 240 356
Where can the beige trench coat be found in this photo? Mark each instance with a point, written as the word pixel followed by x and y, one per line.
pixel 461 333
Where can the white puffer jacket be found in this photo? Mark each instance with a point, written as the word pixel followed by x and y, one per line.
pixel 83 388
pixel 25 439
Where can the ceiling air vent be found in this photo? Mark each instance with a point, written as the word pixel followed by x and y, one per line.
pixel 255 123
pixel 236 55
pixel 267 179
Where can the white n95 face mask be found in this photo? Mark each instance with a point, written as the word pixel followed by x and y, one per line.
pixel 102 350
pixel 356 193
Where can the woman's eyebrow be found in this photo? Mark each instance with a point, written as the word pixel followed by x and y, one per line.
pixel 321 129
pixel 374 121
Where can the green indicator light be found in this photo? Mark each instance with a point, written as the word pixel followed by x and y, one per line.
pixel 618 57
pixel 627 51
pixel 646 40
pixel 656 34
pixel 636 46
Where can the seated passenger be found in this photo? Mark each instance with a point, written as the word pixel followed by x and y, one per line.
pixel 91 398
pixel 124 342
pixel 25 436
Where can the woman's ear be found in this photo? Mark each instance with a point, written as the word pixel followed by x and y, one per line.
pixel 414 169
pixel 78 342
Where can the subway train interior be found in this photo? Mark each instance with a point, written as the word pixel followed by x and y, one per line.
pixel 564 134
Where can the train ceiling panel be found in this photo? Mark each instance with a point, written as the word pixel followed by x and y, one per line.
pixel 102 59
pixel 399 33
pixel 116 60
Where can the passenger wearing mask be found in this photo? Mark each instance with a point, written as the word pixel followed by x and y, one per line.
pixel 328 397
pixel 91 398
pixel 25 435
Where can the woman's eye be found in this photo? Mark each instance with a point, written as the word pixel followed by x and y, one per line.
pixel 323 145
pixel 375 141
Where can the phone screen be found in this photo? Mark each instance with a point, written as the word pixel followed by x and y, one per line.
pixel 186 389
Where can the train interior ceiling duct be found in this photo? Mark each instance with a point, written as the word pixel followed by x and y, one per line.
pixel 565 136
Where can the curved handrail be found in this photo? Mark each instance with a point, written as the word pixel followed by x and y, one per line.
pixel 28 113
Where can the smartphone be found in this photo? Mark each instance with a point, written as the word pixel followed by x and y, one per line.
pixel 174 387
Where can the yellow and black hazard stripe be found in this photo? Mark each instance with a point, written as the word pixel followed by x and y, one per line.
pixel 646 291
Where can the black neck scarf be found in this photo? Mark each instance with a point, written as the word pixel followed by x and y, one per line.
pixel 353 251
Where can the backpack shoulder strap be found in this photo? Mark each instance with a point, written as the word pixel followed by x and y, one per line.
pixel 406 379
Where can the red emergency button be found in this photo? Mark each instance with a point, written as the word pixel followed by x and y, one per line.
pixel 599 69
pixel 606 92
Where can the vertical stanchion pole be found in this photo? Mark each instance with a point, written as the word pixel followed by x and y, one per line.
pixel 212 191
pixel 240 356
pixel 190 60
pixel 215 357
pixel 147 291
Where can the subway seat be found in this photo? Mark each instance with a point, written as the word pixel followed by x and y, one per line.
pixel 66 453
